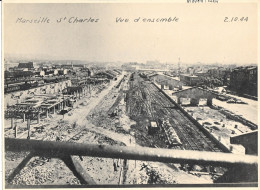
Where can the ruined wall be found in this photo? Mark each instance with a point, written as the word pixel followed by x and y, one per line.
pixel 19 96
pixel 237 118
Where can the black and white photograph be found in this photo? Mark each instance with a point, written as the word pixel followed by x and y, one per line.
pixel 129 94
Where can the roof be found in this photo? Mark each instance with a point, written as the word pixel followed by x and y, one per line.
pixel 78 65
pixel 26 65
pixel 72 89
pixel 201 72
pixel 105 73
pixel 116 70
pixel 153 124
pixel 193 76
pixel 251 68
pixel 245 68
pixel 199 89
pixel 112 73
pixel 17 74
pixel 152 75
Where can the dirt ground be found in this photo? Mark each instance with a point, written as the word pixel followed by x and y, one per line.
pixel 219 125
pixel 248 111
pixel 90 122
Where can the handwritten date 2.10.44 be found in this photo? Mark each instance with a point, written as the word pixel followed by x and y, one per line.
pixel 235 19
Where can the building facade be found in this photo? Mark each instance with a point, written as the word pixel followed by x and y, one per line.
pixel 189 80
pixel 243 80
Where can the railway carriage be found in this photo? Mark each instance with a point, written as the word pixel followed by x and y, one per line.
pixel 11 88
pixel 152 128
pixel 20 86
pixel 171 135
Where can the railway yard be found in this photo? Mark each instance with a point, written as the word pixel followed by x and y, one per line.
pixel 120 113
pixel 153 105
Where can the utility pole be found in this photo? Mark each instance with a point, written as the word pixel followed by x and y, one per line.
pixel 65 90
pixel 179 68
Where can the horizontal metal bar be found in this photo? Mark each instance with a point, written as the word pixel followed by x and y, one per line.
pixel 57 149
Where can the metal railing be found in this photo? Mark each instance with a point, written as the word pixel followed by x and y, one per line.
pixel 236 164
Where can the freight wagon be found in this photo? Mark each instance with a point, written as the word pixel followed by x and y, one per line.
pixel 152 128
pixel 20 86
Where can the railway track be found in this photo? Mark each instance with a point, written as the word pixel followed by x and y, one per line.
pixel 158 107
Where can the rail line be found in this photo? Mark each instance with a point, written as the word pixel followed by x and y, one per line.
pixel 158 107
pixel 183 130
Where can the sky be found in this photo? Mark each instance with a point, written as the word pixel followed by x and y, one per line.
pixel 200 35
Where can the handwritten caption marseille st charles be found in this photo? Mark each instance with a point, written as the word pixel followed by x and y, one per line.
pixel 77 20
